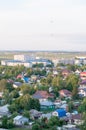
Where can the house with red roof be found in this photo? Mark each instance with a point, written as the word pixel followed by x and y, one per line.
pixel 83 75
pixel 42 95
pixel 65 93
pixel 65 72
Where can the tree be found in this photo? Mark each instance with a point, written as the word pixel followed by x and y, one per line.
pixel 14 94
pixel 82 107
pixel 72 82
pixel 3 83
pixel 75 92
pixel 54 120
pixel 70 106
pixel 26 114
pixel 13 108
pixel 10 124
pixel 27 89
pixel 25 101
pixel 7 123
pixel 7 97
pixel 83 125
pixel 40 65
pixel 58 82
pixel 36 127
pixel 4 122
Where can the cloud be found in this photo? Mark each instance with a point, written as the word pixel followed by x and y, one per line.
pixel 47 24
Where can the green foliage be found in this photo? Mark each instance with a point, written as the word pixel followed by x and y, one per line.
pixel 70 106
pixel 7 97
pixel 4 122
pixel 13 108
pixel 72 82
pixel 36 127
pixel 14 94
pixel 54 120
pixel 26 114
pixel 7 123
pixel 24 102
pixel 3 84
pixel 40 65
pixel 83 125
pixel 27 89
pixel 82 107
pixel 10 124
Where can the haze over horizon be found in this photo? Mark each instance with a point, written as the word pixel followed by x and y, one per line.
pixel 43 25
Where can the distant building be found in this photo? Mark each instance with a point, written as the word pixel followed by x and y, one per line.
pixel 25 61
pixel 80 60
pixel 63 61
pixel 15 63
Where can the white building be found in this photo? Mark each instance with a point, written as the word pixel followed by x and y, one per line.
pixel 21 57
pixel 16 63
pixel 24 60
pixel 80 60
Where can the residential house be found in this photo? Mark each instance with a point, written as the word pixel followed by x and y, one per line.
pixel 69 127
pixel 65 73
pixel 77 119
pixel 82 84
pixel 60 113
pixel 47 105
pixel 64 106
pixel 20 120
pixel 74 119
pixel 42 95
pixel 47 115
pixel 4 111
pixel 57 103
pixel 19 76
pixel 34 114
pixel 25 79
pixel 82 92
pixel 55 72
pixel 17 84
pixel 34 78
pixel 83 75
pixel 77 72
pixel 65 93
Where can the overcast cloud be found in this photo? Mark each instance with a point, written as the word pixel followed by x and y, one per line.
pixel 43 25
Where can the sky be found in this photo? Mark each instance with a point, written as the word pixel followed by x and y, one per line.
pixel 43 25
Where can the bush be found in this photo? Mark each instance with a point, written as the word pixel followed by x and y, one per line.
pixel 36 127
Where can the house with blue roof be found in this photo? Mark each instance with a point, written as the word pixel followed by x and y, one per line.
pixel 25 79
pixel 59 112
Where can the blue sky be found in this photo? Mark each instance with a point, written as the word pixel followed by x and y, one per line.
pixel 43 25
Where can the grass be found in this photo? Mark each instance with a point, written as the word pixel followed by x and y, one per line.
pixel 20 129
